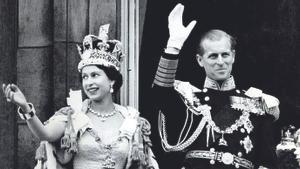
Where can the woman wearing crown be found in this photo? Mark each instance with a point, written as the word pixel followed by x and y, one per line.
pixel 100 134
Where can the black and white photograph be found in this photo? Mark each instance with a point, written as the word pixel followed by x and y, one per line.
pixel 149 84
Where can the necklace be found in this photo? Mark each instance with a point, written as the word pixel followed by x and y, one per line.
pixel 103 116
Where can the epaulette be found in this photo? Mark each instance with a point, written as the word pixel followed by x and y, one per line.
pixel 268 103
pixel 186 90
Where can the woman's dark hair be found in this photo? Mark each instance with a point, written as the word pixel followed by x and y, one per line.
pixel 112 74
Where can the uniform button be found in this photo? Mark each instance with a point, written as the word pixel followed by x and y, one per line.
pixel 242 130
pixel 205 90
pixel 238 91
pixel 206 98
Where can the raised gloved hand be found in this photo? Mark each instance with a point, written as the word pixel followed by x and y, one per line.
pixel 178 32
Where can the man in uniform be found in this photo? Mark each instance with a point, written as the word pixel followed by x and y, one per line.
pixel 216 126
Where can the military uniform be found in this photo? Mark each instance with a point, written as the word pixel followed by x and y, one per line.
pixel 215 127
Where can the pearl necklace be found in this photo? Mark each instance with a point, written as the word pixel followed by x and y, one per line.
pixel 103 116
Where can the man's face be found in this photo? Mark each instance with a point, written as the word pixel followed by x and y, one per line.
pixel 217 59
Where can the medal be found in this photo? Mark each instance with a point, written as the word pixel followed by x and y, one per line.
pixel 247 144
pixel 222 141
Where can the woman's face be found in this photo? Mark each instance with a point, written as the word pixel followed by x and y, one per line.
pixel 95 83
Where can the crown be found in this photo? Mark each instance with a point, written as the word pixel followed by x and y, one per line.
pixel 98 50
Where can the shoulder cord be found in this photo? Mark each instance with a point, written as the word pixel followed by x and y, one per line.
pixel 186 120
pixel 184 126
pixel 202 110
pixel 183 144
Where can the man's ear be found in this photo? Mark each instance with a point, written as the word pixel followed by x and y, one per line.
pixel 233 55
pixel 199 59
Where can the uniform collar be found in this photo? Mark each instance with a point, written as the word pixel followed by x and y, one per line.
pixel 228 84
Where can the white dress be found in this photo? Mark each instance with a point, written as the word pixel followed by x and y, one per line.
pixel 132 147
pixel 93 154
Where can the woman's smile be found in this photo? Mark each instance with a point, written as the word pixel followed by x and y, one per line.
pixel 92 89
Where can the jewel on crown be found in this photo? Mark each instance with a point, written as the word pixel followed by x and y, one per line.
pixel 98 50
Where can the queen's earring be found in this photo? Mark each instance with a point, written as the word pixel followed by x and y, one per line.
pixel 111 90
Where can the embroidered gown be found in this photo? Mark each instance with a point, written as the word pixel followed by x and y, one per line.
pixel 130 150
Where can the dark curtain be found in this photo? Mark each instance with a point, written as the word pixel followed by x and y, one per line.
pixel 268 49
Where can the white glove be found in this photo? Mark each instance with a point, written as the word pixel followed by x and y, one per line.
pixel 178 32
